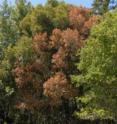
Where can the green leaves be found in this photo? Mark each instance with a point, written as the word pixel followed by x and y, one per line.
pixel 9 90
pixel 45 19
pixel 93 114
pixel 23 50
pixel 98 66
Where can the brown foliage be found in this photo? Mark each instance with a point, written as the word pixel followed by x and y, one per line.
pixel 46 79
pixel 40 42
pixel 69 42
pixel 80 19
pixel 57 87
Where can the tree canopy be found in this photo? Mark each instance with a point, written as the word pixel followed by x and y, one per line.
pixel 98 66
pixel 58 63
pixel 103 6
pixel 36 65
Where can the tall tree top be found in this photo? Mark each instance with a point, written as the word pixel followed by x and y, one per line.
pixel 102 6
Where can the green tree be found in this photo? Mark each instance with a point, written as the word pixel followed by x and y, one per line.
pixel 98 67
pixel 102 6
pixel 10 18
pixel 8 30
pixel 21 9
pixel 53 3
pixel 45 18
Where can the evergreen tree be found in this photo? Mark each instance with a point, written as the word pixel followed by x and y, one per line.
pixel 21 9
pixel 103 6
pixel 8 29
pixel 53 3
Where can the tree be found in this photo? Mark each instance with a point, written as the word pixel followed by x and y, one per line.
pixel 10 19
pixel 56 52
pixel 8 29
pixel 43 82
pixel 45 18
pixel 9 34
pixel 36 69
pixel 103 6
pixel 21 9
pixel 53 3
pixel 8 88
pixel 98 67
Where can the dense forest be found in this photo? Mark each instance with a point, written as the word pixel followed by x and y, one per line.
pixel 58 63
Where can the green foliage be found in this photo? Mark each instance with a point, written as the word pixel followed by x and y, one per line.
pixel 21 9
pixel 10 18
pixel 93 114
pixel 52 3
pixel 8 29
pixel 23 50
pixel 100 6
pixel 45 18
pixel 103 6
pixel 98 66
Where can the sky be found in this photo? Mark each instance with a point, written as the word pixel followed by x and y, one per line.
pixel 86 3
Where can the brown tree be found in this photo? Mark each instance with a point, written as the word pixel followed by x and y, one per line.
pixel 45 81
